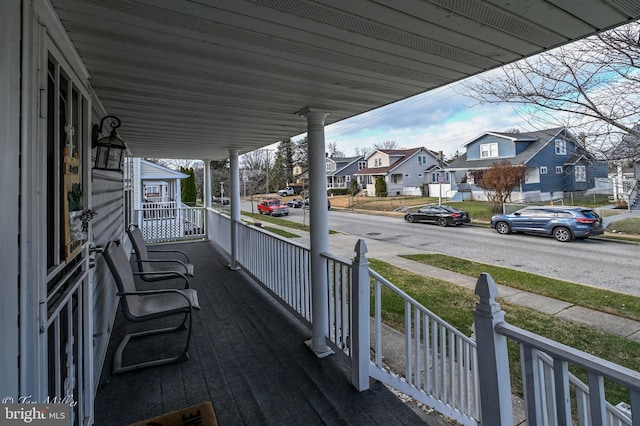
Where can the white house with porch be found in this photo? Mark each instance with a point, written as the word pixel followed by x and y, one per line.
pixel 154 183
pixel 84 81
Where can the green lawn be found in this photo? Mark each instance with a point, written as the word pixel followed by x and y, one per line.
pixel 611 302
pixel 279 221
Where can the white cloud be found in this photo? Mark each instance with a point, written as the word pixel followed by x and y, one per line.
pixel 440 121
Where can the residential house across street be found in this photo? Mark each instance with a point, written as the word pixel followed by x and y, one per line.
pixel 341 170
pixel 415 171
pixel 556 163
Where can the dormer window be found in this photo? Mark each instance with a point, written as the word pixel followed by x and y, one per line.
pixel 377 162
pixel 362 165
pixel 330 166
pixel 422 160
pixel 561 147
pixel 489 150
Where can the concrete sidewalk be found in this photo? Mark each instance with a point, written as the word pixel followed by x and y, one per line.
pixel 343 245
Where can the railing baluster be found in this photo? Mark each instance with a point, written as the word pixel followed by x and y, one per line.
pixel 596 398
pixel 407 343
pixel 435 382
pixel 634 397
pixel 427 353
pixel 417 346
pixel 563 398
pixel 378 322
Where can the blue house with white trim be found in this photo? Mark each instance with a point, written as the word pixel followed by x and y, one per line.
pixel 341 170
pixel 556 163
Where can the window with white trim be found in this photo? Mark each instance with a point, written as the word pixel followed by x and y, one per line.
pixel 543 170
pixel 559 170
pixel 581 174
pixel 422 160
pixel 440 176
pixel 489 150
pixel 407 175
pixel 362 164
pixel 420 175
pixel 561 147
pixel 377 162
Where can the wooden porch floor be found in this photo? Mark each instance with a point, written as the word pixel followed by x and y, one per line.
pixel 249 359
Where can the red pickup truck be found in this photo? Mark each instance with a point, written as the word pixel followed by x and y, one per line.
pixel 273 207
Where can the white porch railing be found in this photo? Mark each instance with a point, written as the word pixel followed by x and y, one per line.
pixel 440 361
pixel 550 390
pixel 440 365
pixel 281 266
pixel 170 221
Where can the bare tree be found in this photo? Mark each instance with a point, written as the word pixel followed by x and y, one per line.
pixel 254 160
pixel 177 163
pixel 334 151
pixel 591 85
pixel 498 181
pixel 387 144
pixel 512 130
pixel 363 151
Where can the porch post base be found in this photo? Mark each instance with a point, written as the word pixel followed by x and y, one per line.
pixel 233 267
pixel 321 352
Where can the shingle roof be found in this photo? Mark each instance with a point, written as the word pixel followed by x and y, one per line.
pixel 342 163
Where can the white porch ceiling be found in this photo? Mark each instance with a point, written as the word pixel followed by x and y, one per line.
pixel 193 78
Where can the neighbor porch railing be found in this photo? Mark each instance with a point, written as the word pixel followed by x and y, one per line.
pixel 436 364
pixel 632 195
pixel 170 221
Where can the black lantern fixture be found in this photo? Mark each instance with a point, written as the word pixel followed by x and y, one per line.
pixel 110 149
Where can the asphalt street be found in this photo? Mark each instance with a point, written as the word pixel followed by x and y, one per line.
pixel 597 262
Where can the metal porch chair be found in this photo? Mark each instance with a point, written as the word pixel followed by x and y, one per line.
pixel 153 269
pixel 145 305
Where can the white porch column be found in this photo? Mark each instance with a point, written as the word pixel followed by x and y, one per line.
pixel 319 227
pixel 206 184
pixel 234 204
pixel 178 195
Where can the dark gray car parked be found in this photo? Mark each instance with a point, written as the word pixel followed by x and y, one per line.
pixel 442 215
pixel 564 223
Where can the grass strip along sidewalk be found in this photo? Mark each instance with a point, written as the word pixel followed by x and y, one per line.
pixel 455 305
pixel 611 302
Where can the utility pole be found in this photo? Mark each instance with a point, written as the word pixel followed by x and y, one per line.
pixel 440 178
pixel 267 164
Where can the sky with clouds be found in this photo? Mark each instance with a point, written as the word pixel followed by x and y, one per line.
pixel 443 119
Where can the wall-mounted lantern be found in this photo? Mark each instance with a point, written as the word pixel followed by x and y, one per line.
pixel 110 149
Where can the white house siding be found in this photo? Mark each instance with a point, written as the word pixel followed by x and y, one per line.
pixel 9 192
pixel 108 202
pixel 31 362
pixel 381 157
